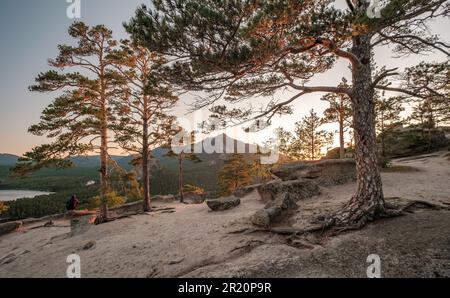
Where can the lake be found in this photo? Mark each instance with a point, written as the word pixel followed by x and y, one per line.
pixel 11 195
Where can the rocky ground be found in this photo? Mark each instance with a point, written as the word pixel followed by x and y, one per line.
pixel 195 242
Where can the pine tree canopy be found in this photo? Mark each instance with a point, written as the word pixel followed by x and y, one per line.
pixel 241 49
pixel 76 119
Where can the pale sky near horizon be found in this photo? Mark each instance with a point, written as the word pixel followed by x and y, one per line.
pixel 30 31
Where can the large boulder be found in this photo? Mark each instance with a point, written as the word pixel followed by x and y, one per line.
pixel 8 227
pixel 412 141
pixel 243 191
pixel 193 198
pixel 222 204
pixel 127 209
pixel 323 172
pixel 274 210
pixel 298 189
pixel 164 198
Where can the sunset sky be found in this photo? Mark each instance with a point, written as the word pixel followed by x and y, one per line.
pixel 30 31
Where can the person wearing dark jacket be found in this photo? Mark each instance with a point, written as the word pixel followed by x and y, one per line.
pixel 73 203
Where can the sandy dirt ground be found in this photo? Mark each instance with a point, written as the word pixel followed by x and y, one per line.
pixel 195 242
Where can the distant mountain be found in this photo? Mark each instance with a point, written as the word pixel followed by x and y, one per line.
pixel 159 154
pixel 8 159
pixel 93 161
pixel 165 169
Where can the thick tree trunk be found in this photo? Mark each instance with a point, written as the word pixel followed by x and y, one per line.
pixel 368 202
pixel 180 177
pixel 103 216
pixel 145 170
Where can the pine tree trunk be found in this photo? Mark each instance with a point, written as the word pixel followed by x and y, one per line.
pixel 145 159
pixel 368 202
pixel 180 177
pixel 103 216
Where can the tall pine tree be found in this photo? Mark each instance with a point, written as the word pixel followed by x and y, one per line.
pixel 309 139
pixel 143 115
pixel 339 111
pixel 387 111
pixel 79 120
pixel 183 150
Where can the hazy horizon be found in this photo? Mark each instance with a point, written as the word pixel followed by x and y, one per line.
pixel 31 31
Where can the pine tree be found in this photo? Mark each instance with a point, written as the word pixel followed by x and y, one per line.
pixel 339 111
pixel 261 172
pixel 430 82
pixel 144 122
pixel 387 111
pixel 79 120
pixel 309 139
pixel 240 50
pixel 284 139
pixel 235 173
pixel 184 150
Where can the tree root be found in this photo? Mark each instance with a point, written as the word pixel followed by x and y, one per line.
pixel 289 231
pixel 337 224
pixel 342 220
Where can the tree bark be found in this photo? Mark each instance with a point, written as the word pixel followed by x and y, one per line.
pixel 368 202
pixel 103 214
pixel 145 159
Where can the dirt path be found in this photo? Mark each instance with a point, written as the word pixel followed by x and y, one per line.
pixel 195 242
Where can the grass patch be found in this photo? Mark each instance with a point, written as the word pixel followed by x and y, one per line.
pixel 399 169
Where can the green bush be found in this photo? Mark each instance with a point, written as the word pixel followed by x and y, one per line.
pixel 188 188
pixel 112 198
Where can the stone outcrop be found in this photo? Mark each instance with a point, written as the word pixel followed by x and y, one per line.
pixel 298 189
pixel 129 208
pixel 274 210
pixel 323 172
pixel 194 198
pixel 164 198
pixel 281 198
pixel 243 191
pixel 222 204
pixel 8 227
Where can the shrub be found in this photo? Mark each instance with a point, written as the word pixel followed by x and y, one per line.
pixel 112 198
pixel 3 208
pixel 188 188
pixel 384 162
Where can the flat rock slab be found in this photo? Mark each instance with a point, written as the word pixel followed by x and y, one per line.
pixel 323 172
pixel 298 189
pixel 222 204
pixel 274 210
